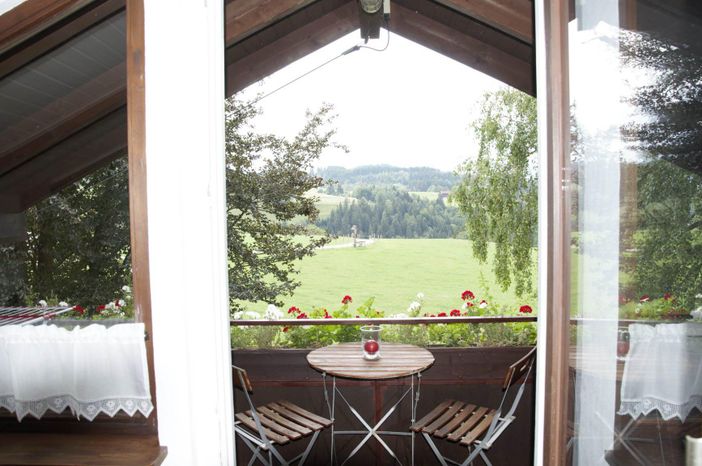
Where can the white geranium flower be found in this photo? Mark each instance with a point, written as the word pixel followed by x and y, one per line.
pixel 238 315
pixel 420 296
pixel 63 304
pixel 464 306
pixel 697 313
pixel 414 306
pixel 251 315
pixel 126 289
pixel 43 303
pixel 698 296
pixel 483 304
pixel 121 303
pixel 111 306
pixel 272 313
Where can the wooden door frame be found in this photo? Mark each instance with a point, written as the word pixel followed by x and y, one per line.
pixel 551 24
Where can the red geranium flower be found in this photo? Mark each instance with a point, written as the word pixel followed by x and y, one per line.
pixel 79 309
pixel 469 304
pixel 433 315
pixel 667 296
pixel 347 299
pixel 644 299
pixel 117 303
pixel 466 295
pixel 327 315
pixel 302 316
pixel 441 314
pixel 526 309
pixel 455 313
pixel 100 308
pixel 293 310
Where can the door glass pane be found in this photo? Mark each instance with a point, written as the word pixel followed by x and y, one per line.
pixel 636 248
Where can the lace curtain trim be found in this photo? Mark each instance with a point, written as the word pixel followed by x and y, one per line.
pixel 668 410
pixel 86 409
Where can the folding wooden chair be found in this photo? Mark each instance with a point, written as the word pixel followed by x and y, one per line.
pixel 473 426
pixel 278 423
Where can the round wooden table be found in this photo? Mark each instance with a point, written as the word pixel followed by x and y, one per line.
pixel 396 360
pixel 346 360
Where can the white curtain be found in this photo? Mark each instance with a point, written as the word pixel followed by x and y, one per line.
pixel 90 370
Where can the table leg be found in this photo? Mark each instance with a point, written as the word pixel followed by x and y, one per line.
pixel 374 431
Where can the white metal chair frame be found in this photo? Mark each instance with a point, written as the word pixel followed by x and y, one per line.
pixel 499 422
pixel 259 442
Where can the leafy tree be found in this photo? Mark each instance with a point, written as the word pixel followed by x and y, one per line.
pixel 78 244
pixel 268 178
pixel 498 189
pixel 668 138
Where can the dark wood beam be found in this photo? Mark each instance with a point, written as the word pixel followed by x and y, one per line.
pixel 282 43
pixel 246 17
pixel 32 16
pixel 467 41
pixel 62 130
pixel 513 17
pixel 138 205
pixel 65 163
pixel 59 33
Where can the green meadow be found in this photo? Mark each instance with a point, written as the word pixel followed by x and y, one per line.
pixel 394 271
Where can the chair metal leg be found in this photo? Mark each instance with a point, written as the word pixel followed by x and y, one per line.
pixel 485 458
pixel 438 455
pixel 309 448
pixel 256 452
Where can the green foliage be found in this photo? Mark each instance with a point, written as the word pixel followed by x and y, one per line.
pixel 669 241
pixel 392 213
pixel 267 181
pixel 311 336
pixel 409 179
pixel 498 189
pixel 78 246
pixel 667 307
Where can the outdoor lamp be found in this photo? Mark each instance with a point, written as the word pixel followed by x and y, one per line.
pixel 371 6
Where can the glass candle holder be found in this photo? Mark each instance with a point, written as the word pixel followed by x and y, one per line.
pixel 370 342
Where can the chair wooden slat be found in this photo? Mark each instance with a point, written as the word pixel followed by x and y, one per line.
pixel 304 413
pixel 251 424
pixel 516 371
pixel 275 427
pixel 461 430
pixel 433 414
pixel 457 420
pixel 283 411
pixel 478 430
pixel 444 418
pixel 287 423
pixel 236 371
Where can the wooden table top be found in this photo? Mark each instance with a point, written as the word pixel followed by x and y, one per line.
pixel 346 360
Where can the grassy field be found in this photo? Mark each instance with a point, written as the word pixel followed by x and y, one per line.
pixel 394 271
pixel 328 202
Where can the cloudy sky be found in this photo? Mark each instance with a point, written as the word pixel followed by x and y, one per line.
pixel 405 106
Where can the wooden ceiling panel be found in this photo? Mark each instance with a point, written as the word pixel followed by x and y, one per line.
pixel 246 17
pixel 513 17
pixel 285 42
pixel 474 45
pixel 88 150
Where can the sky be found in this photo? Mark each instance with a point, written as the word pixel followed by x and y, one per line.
pixel 406 106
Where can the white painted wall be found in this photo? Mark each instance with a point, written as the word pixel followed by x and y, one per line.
pixel 187 233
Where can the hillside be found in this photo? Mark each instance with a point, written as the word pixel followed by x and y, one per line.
pixel 409 179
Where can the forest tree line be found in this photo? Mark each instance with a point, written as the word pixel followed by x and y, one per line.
pixel 394 213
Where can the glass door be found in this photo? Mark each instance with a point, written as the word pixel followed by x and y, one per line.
pixel 635 367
